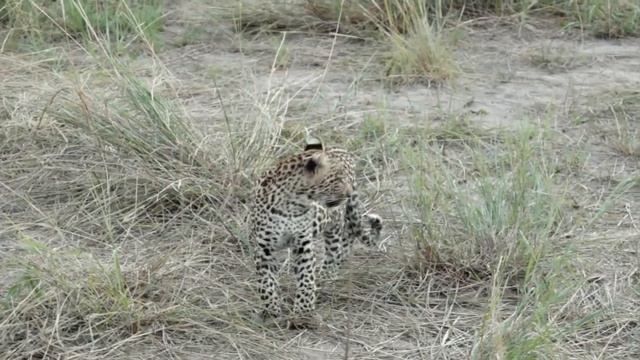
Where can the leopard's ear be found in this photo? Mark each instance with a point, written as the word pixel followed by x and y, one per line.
pixel 316 166
pixel 312 143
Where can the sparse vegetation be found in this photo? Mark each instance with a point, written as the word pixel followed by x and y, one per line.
pixel 419 47
pixel 415 31
pixel 622 115
pixel 418 44
pixel 608 18
pixel 486 203
pixel 556 59
pixel 37 22
pixel 510 232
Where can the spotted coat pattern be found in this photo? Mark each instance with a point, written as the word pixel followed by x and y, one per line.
pixel 304 197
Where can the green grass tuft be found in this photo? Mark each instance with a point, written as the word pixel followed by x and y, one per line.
pixel 38 22
pixel 481 202
pixel 608 18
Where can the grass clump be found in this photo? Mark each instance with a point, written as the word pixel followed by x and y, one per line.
pixel 417 47
pixel 117 159
pixel 79 297
pixel 485 202
pixel 38 22
pixel 615 121
pixel 608 18
pixel 166 165
pixel 537 324
pixel 360 18
pixel 626 137
pixel 63 302
pixel 366 18
pixel 419 51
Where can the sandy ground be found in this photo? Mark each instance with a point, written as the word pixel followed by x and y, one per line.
pixel 510 73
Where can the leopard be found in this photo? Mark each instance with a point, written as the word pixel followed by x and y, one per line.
pixel 307 198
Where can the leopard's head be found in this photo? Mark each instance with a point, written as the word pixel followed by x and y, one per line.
pixel 330 173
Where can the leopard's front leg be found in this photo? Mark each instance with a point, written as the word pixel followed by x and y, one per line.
pixel 267 269
pixel 304 272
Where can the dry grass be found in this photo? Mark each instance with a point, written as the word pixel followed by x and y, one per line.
pixel 554 59
pixel 34 23
pixel 122 228
pixel 414 33
pixel 613 116
pixel 623 113
pixel 416 44
pixel 488 207
pixel 610 18
pixel 422 55
pixel 606 18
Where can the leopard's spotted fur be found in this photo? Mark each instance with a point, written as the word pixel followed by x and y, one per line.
pixel 295 202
